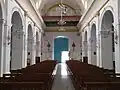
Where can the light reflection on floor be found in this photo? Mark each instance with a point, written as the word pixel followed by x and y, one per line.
pixel 62 80
pixel 63 69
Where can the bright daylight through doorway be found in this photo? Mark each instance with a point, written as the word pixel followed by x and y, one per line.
pixel 64 57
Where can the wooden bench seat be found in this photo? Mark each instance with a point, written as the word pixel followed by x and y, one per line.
pixel 22 86
pixel 35 77
pixel 85 75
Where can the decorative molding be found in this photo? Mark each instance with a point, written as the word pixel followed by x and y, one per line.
pixel 58 5
pixel 70 30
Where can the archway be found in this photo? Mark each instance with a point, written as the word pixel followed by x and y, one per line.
pixel 16 50
pixel 93 45
pixel 30 39
pixel 60 47
pixel 107 41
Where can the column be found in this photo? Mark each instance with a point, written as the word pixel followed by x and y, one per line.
pixel 2 23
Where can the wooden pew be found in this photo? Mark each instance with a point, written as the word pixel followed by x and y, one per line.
pixel 101 86
pixel 22 86
pixel 82 73
pixel 39 74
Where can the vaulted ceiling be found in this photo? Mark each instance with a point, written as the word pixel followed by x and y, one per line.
pixel 44 5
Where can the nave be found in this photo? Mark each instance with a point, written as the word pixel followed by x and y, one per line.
pixel 51 75
pixel 62 80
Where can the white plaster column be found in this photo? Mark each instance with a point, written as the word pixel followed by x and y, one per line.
pixel 43 50
pixel 34 46
pixel 33 51
pixel 2 24
pixel 25 29
pixel 98 39
pixel 89 47
pixel 7 33
pixel 24 45
pixel 38 46
pixel 7 41
pixel 117 46
pixel 40 43
pixel 81 47
pixel 84 44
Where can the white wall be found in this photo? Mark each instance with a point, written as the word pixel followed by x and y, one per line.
pixel 94 15
pixel 72 36
pixel 9 6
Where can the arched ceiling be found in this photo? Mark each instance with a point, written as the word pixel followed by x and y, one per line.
pixel 78 5
pixel 45 6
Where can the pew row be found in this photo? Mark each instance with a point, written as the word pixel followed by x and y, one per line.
pixel 36 77
pixel 89 77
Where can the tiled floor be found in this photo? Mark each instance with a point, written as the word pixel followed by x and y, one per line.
pixel 62 80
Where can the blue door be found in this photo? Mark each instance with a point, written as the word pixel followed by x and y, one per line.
pixel 60 44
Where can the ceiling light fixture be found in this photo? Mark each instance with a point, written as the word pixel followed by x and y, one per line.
pixel 61 22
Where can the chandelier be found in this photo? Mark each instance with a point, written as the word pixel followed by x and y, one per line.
pixel 61 22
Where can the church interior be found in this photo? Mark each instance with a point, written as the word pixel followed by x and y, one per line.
pixel 59 44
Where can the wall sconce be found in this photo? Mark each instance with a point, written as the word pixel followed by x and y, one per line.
pixel 116 39
pixel 73 45
pixel 106 33
pixel 8 38
pixel 48 45
pixel 81 46
pixel 18 32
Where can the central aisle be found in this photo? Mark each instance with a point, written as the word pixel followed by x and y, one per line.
pixel 62 80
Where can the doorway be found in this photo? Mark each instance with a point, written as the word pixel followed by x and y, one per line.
pixel 60 48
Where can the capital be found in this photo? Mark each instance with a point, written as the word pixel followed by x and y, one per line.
pixel 2 21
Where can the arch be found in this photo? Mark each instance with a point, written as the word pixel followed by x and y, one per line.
pixel 16 19
pixel 16 50
pixel 30 31
pixel 54 10
pixel 61 37
pixel 58 5
pixel 107 42
pixel 93 45
pixel 16 9
pixel 108 8
pixel 61 43
pixel 30 40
